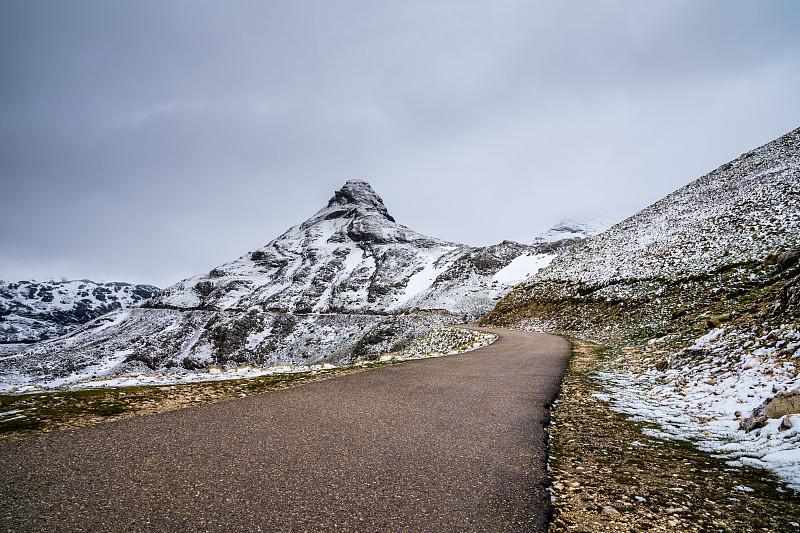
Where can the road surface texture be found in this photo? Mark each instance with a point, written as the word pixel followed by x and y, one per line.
pixel 448 444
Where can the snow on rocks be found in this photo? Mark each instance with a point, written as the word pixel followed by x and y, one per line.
pixel 172 378
pixel 522 268
pixel 37 310
pixel 741 212
pixel 708 401
pixel 782 405
pixel 444 340
pixel 572 228
pixel 352 255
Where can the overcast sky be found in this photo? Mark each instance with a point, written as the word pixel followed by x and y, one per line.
pixel 149 141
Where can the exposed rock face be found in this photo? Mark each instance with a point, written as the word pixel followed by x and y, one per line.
pixel 717 321
pixel 788 258
pixel 687 356
pixel 355 199
pixel 789 299
pixel 36 310
pixel 348 283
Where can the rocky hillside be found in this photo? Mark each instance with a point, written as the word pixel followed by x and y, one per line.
pixel 697 294
pixel 729 225
pixel 348 283
pixel 35 310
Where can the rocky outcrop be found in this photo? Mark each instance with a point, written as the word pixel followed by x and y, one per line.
pixel 788 300
pixel 718 320
pixel 687 356
pixel 780 405
pixel 788 258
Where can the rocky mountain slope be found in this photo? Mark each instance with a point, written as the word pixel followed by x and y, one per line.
pixel 36 310
pixel 697 295
pixel 348 283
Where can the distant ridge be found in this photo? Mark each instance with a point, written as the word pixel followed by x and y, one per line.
pixel 575 228
pixel 33 310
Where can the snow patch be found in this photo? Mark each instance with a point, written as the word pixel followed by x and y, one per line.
pixel 522 267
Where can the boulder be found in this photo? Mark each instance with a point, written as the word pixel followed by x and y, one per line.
pixel 788 258
pixel 677 313
pixel 716 321
pixel 780 405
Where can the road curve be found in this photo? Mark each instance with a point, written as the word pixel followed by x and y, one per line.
pixel 449 444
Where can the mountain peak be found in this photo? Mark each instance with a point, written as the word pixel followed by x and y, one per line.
pixel 357 195
pixel 572 228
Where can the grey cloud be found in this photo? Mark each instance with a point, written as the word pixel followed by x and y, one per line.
pixel 156 139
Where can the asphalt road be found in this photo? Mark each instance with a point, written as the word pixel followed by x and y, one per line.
pixel 448 444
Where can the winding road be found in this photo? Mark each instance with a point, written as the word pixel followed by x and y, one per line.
pixel 448 444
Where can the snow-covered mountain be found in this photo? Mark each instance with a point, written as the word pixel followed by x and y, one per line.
pixel 348 283
pixel 36 310
pixel 353 257
pixel 575 228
